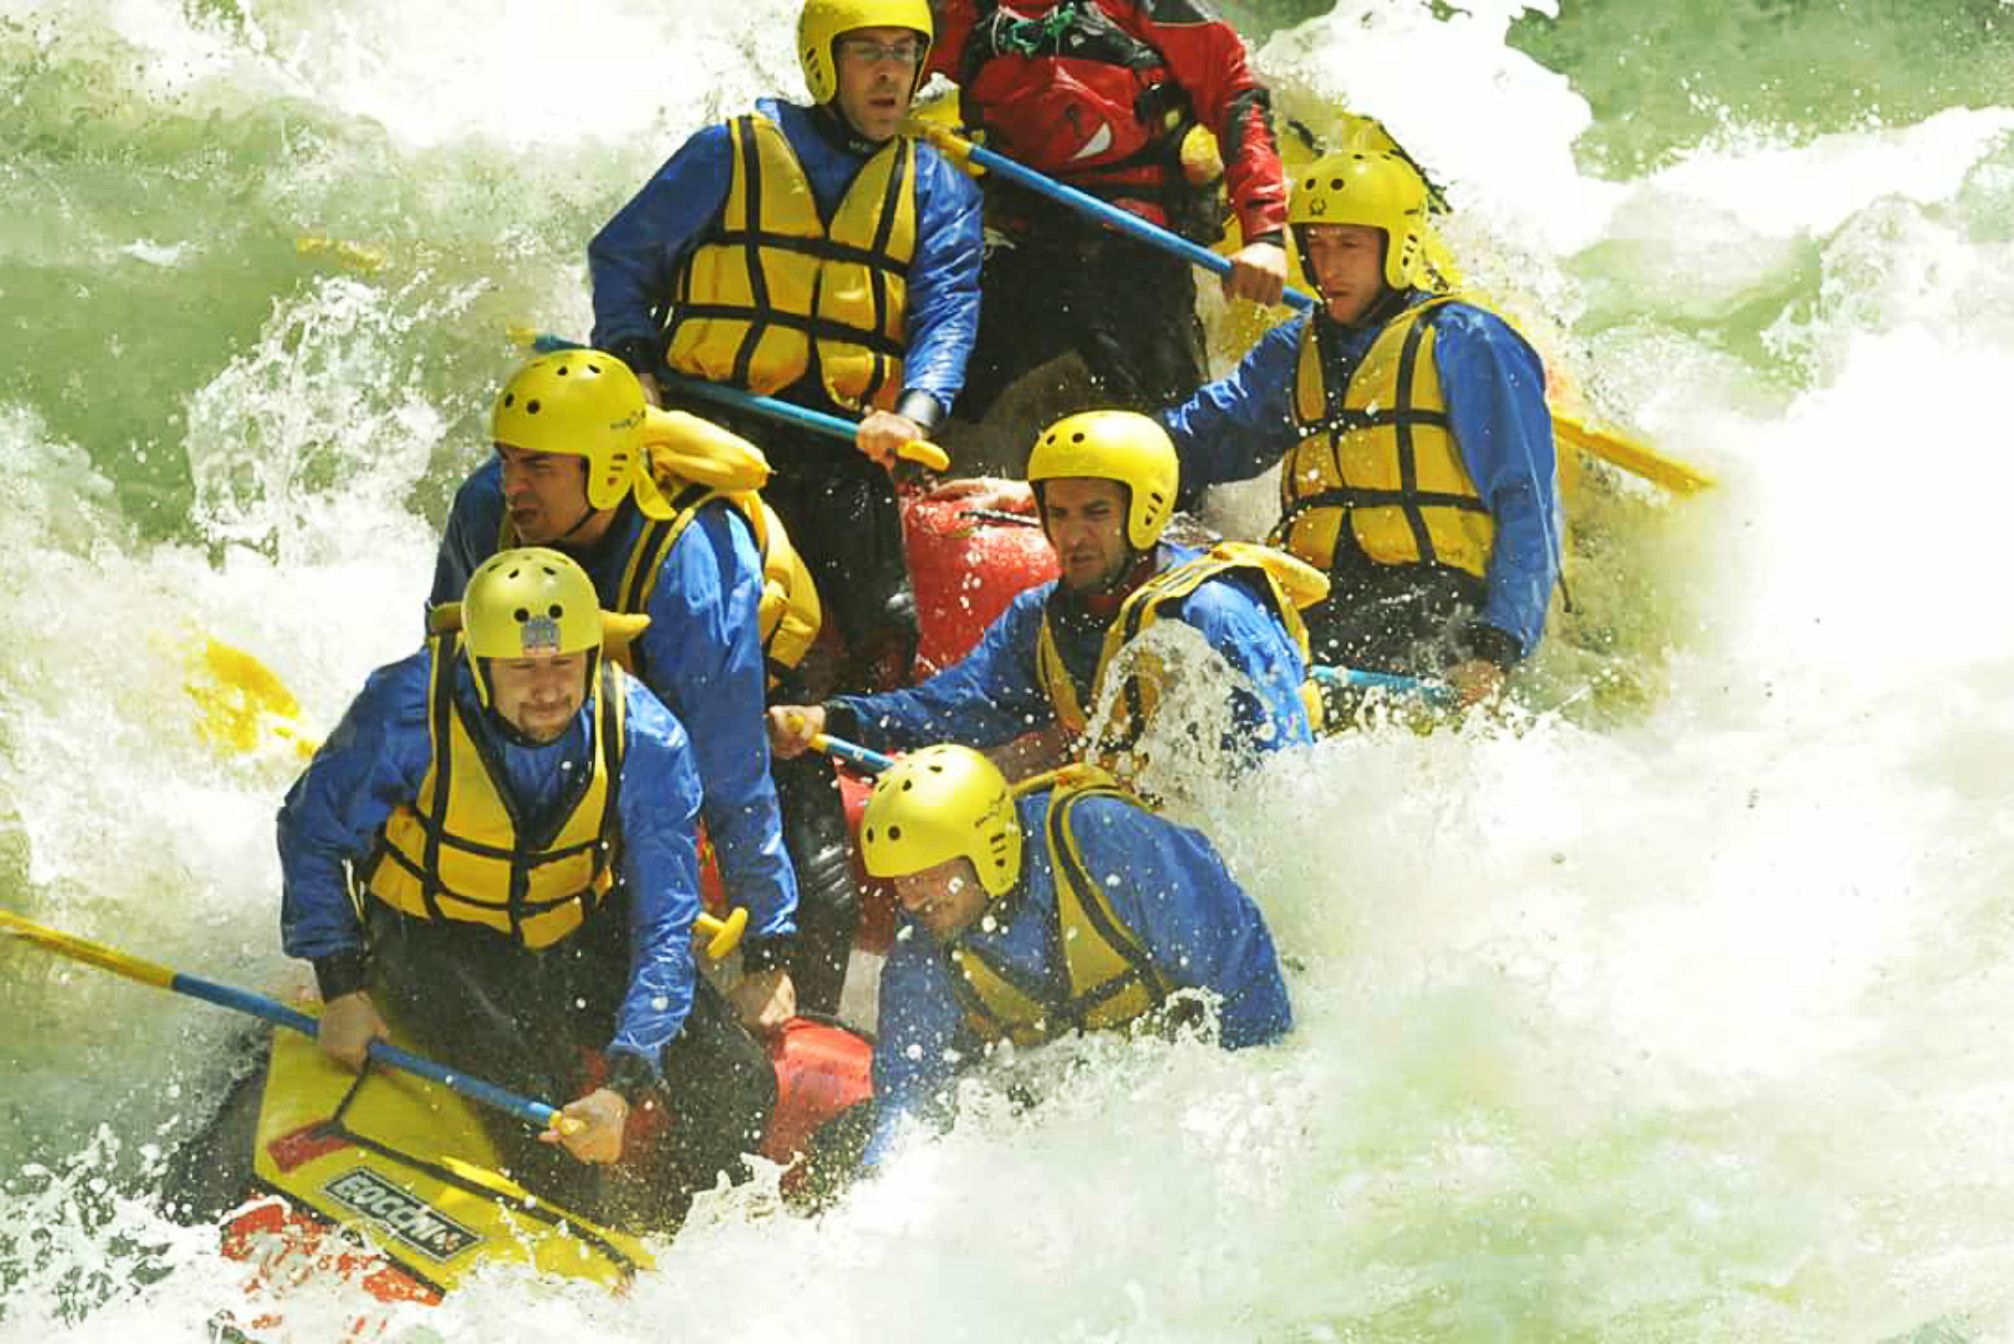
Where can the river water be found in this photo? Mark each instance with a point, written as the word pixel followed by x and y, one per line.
pixel 1673 1009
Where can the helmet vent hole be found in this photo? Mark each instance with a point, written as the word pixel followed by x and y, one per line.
pixel 510 399
pixel 521 615
pixel 894 834
pixel 564 370
pixel 1078 437
pixel 908 784
pixel 531 408
pixel 1335 184
pixel 555 611
pixel 594 368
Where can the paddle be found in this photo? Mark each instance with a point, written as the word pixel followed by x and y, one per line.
pixel 1437 694
pixel 852 753
pixel 920 451
pixel 272 1010
pixel 1608 446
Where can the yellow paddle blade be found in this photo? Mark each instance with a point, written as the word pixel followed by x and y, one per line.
pixel 239 701
pixel 84 950
pixel 357 256
pixel 1631 456
pixel 925 453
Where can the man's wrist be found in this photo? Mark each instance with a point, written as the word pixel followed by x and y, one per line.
pixel 841 721
pixel 1483 641
pixel 768 954
pixel 341 973
pixel 921 409
pixel 642 353
pixel 630 1076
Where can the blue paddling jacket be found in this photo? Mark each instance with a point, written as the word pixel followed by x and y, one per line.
pixel 636 258
pixel 702 656
pixel 1163 883
pixel 377 760
pixel 1494 387
pixel 994 694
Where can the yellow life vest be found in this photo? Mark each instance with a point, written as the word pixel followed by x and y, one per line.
pixel 458 851
pixel 788 615
pixel 775 282
pixel 1111 980
pixel 1291 583
pixel 1379 454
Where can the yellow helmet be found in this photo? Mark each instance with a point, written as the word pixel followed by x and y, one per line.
pixel 938 804
pixel 1374 189
pixel 527 602
pixel 583 403
pixel 824 22
pixel 1122 446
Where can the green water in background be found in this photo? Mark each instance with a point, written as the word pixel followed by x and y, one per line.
pixel 108 344
pixel 1494 1124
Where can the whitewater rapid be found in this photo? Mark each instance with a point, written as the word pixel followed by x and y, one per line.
pixel 1671 1010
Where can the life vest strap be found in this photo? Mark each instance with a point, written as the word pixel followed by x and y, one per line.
pixel 527 904
pixel 482 851
pixel 811 324
pixel 1344 419
pixel 1364 497
pixel 825 249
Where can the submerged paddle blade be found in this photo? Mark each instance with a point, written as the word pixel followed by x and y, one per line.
pixel 240 702
pixel 1631 456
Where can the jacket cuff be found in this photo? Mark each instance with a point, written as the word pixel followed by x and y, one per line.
pixel 629 1076
pixel 768 954
pixel 841 721
pixel 643 355
pixel 341 973
pixel 920 407
pixel 1481 640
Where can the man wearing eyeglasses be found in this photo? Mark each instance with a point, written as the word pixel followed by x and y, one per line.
pixel 812 254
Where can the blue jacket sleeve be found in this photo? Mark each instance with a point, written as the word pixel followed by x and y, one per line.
pixel 633 259
pixel 920 1032
pixel 943 294
pixel 1495 389
pixel 1200 928
pixel 658 804
pixel 470 536
pixel 1235 428
pixel 702 655
pixel 987 697
pixel 1241 626
pixel 374 761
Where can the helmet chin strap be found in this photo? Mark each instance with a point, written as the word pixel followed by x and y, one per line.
pixel 1103 601
pixel 589 514
pixel 829 119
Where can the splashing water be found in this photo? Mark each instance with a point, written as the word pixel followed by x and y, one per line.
pixel 1669 1011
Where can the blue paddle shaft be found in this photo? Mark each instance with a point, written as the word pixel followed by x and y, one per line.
pixel 1125 221
pixel 1433 692
pixel 272 1010
pixel 853 753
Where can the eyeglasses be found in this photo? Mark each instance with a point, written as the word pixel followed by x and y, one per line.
pixel 907 51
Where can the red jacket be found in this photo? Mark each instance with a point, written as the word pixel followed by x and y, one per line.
pixel 1098 92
